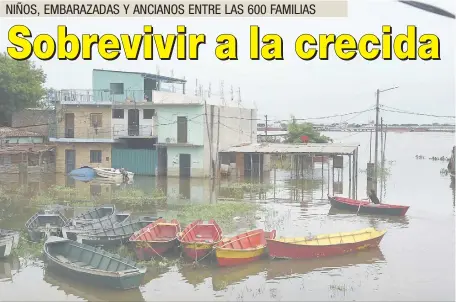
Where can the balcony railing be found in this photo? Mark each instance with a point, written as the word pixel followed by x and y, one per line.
pixel 103 96
pixel 82 133
pixel 114 132
pixel 120 130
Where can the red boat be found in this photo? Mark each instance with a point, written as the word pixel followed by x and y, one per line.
pixel 324 245
pixel 199 238
pixel 155 239
pixel 367 207
pixel 243 248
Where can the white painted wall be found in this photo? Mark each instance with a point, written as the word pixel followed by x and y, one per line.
pixel 120 126
pixel 237 126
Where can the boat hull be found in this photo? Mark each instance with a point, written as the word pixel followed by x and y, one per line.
pixel 145 251
pixel 368 208
pixel 6 246
pixel 196 251
pixel 284 250
pixel 85 172
pixel 226 257
pixel 122 283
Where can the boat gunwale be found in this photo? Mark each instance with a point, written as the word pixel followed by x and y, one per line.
pixel 155 224
pixel 212 223
pixel 251 249
pixel 356 203
pixel 382 233
pixel 43 213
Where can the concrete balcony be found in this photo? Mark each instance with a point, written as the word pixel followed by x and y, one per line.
pixel 136 131
pixel 82 135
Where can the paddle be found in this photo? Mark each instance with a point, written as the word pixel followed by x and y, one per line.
pixel 359 207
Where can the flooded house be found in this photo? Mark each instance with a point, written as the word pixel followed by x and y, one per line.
pixel 144 123
pixel 25 152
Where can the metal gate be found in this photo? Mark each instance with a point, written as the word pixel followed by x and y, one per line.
pixel 138 161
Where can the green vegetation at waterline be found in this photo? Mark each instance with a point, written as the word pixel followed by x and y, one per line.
pixel 131 197
pixel 224 212
pixel 237 190
pixel 296 130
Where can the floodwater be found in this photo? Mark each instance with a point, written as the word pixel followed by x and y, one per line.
pixel 415 261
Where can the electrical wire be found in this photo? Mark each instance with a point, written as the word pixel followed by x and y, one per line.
pixel 396 110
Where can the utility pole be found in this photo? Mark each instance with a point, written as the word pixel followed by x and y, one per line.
pixel 266 125
pixel 377 116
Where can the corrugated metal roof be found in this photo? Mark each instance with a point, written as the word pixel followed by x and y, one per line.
pixel 269 148
pixel 14 132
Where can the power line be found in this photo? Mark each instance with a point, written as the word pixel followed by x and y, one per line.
pixel 396 110
pixel 331 116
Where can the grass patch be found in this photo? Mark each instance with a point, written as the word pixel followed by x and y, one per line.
pixel 223 212
pixel 131 197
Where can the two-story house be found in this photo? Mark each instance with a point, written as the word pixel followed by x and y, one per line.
pixel 129 120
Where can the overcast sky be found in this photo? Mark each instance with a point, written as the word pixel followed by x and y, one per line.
pixel 305 89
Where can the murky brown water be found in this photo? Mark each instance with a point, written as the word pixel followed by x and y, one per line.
pixel 416 259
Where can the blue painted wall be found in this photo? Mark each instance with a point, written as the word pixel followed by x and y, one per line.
pixel 133 85
pixel 167 123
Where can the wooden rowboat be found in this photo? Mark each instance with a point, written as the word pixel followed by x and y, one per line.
pixel 367 207
pixel 199 238
pixel 324 245
pixel 115 236
pixel 8 242
pixel 91 264
pixel 91 215
pixel 105 223
pixel 44 224
pixel 155 239
pixel 243 248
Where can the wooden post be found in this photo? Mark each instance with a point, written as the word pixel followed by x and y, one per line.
pixel 333 176
pixel 349 175
pixel 322 177
pixel 329 177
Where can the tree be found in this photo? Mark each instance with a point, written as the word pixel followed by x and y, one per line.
pixel 21 86
pixel 296 130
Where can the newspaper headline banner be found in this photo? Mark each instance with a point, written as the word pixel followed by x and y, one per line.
pixel 46 9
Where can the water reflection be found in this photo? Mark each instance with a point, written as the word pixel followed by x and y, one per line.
pixel 286 268
pixel 89 292
pixel 375 221
pixel 8 267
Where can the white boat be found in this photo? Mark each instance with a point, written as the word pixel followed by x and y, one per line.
pixel 9 241
pixel 112 173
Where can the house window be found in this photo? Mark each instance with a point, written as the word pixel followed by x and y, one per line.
pixel 118 113
pixel 95 156
pixel 116 88
pixel 148 114
pixel 96 120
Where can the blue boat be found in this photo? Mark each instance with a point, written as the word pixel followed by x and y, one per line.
pixel 86 172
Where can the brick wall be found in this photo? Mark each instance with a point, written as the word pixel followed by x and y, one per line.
pixel 82 121
pixel 83 155
pixel 35 120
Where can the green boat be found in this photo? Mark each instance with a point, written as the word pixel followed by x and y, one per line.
pixel 117 235
pixel 93 265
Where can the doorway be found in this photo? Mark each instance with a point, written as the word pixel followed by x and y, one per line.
pixel 149 85
pixel 70 161
pixel 184 165
pixel 133 122
pixel 69 125
pixel 182 129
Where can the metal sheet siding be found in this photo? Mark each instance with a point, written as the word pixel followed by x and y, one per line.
pixel 138 161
